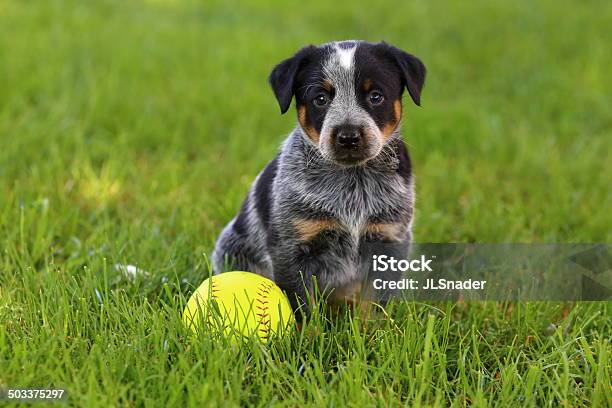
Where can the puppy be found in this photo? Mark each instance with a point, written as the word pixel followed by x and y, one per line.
pixel 342 179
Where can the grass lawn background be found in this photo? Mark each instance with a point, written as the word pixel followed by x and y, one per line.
pixel 131 131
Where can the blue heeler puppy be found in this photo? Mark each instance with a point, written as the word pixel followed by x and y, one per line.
pixel 342 178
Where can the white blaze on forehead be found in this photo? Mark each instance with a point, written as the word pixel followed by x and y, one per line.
pixel 346 54
pixel 339 69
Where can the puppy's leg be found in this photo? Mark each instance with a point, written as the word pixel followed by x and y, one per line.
pixel 294 276
pixel 392 239
pixel 309 249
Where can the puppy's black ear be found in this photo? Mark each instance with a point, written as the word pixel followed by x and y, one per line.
pixel 412 70
pixel 282 77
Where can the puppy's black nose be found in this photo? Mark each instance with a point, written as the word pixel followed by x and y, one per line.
pixel 348 136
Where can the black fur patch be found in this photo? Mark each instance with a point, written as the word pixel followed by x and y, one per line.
pixel 283 76
pixel 309 84
pixel 411 70
pixel 263 191
pixel 345 45
pixel 375 63
pixel 240 225
pixel 405 165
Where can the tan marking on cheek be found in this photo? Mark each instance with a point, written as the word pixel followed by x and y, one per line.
pixel 302 115
pixel 390 231
pixel 389 128
pixel 308 229
pixel 310 131
pixel 397 109
pixel 367 85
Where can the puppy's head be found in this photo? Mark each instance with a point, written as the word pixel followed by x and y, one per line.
pixel 348 95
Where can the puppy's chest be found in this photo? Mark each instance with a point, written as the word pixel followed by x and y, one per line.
pixel 357 200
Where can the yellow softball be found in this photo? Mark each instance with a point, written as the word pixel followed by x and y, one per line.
pixel 241 304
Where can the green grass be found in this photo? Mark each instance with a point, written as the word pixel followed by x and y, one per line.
pixel 131 130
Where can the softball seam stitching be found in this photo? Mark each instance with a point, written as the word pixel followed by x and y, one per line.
pixel 213 289
pixel 263 290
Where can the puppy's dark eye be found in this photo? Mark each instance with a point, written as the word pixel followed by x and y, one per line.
pixel 376 98
pixel 321 100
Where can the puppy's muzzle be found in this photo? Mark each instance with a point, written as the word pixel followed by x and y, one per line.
pixel 349 143
pixel 348 137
